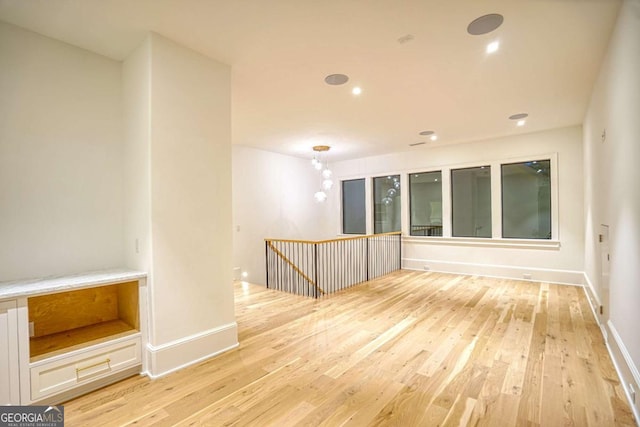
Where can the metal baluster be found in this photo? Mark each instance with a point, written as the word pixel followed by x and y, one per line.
pixel 398 243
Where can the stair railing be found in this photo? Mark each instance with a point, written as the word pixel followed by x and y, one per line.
pixel 317 268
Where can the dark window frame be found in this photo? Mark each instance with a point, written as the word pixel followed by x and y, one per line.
pixel 373 198
pixel 502 210
pixel 364 199
pixel 430 232
pixel 453 209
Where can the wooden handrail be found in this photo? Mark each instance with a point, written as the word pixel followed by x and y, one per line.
pixel 340 239
pixel 295 267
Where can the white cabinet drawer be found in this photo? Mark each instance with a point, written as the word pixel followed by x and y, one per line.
pixel 63 373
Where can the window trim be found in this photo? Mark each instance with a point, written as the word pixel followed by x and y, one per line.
pixel 486 242
pixel 554 178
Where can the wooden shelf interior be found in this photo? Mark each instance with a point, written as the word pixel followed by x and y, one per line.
pixel 69 319
pixel 75 338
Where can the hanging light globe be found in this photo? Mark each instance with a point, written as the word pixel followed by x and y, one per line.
pixel 326 174
pixel 320 196
pixel 318 165
pixel 327 184
pixel 387 201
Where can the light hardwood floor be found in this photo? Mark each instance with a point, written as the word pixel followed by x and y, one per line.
pixel 408 349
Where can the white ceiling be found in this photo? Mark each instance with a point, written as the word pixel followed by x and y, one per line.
pixel 442 80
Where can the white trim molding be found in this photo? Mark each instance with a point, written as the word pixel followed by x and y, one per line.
pixel 562 277
pixel 627 371
pixel 166 358
pixel 485 242
pixel 617 350
pixel 593 294
pixel 595 303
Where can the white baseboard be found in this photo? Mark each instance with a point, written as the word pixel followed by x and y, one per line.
pixel 595 303
pixel 618 352
pixel 175 355
pixel 627 371
pixel 503 271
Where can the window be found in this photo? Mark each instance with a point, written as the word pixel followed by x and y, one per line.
pixel 471 202
pixel 425 190
pixel 353 207
pixel 386 202
pixel 526 200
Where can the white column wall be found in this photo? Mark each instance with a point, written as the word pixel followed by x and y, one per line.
pixel 61 198
pixel 136 82
pixel 180 172
pixel 612 191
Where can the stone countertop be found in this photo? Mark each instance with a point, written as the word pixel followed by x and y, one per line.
pixel 48 285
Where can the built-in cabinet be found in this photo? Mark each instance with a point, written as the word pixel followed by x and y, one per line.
pixel 63 337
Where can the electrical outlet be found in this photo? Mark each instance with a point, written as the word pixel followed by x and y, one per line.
pixel 426 268
pixel 32 330
pixel 632 392
pixel 526 276
pixel 137 246
pixel 601 310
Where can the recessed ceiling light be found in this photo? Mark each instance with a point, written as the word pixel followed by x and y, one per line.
pixel 521 122
pixel 485 24
pixel 417 143
pixel 518 116
pixel 356 90
pixel 336 79
pixel 427 132
pixel 493 47
pixel 434 137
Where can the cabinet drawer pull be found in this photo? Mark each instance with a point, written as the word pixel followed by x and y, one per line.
pixel 106 361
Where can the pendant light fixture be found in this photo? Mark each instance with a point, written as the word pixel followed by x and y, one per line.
pixel 323 167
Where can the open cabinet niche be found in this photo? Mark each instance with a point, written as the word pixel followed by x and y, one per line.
pixel 65 321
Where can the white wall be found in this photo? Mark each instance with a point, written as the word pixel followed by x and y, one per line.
pixel 136 94
pixel 559 261
pixel 179 140
pixel 272 197
pixel 61 207
pixel 612 191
